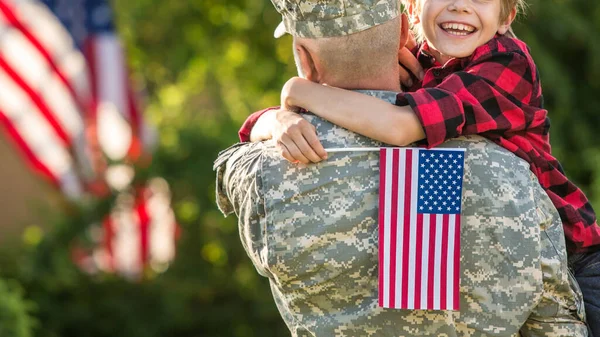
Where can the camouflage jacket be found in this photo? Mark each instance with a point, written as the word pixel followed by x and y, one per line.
pixel 312 231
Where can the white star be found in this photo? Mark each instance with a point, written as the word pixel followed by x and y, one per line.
pixel 460 156
pixel 437 161
pixel 446 161
pixel 422 154
pixel 441 155
pixel 439 208
pixel 426 181
pixel 430 208
pixel 435 192
pixel 422 165
pixel 436 171
pixel 421 197
pixel 435 203
pixel 422 176
pixel 450 155
pixel 426 202
pixel 421 207
pixel 427 160
pixel 435 182
pixel 444 203
pixel 430 197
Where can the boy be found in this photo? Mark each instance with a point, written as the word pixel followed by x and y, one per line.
pixel 477 81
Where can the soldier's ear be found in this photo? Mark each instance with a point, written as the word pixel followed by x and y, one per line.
pixel 308 63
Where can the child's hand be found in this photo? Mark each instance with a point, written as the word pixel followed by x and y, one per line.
pixel 296 138
pixel 409 63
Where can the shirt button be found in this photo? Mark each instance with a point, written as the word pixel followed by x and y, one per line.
pixel 436 72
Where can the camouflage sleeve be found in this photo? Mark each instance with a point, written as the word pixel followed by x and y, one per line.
pixel 238 190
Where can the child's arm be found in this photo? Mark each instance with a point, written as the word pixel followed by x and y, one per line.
pixel 497 95
pixel 363 114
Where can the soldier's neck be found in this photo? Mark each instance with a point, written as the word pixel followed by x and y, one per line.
pixel 388 82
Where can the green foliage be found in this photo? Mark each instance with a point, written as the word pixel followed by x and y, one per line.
pixel 15 312
pixel 206 65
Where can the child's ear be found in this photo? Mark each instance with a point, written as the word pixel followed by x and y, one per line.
pixel 504 26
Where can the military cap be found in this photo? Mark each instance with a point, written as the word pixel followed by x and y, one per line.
pixel 330 18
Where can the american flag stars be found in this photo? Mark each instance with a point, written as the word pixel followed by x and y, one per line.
pixel 440 181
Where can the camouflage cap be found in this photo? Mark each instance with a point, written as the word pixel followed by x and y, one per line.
pixel 329 18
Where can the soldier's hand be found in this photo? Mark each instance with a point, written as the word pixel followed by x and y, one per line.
pixel 296 138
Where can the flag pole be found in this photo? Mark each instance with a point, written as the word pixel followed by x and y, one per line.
pixel 373 149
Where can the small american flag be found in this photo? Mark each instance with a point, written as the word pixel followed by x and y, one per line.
pixel 419 232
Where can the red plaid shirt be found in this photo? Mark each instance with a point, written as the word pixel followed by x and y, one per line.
pixel 496 93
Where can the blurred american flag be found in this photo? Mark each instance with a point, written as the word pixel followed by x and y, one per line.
pixel 67 104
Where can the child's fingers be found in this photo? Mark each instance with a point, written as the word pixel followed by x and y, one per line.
pixel 283 151
pixel 293 149
pixel 315 144
pixel 405 78
pixel 410 62
pixel 307 150
pixel 297 136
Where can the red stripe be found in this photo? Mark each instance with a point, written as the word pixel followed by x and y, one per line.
pixel 38 101
pixel 457 264
pixel 31 157
pixel 136 147
pixel 144 219
pixel 407 213
pixel 444 262
pixel 419 261
pixel 432 266
pixel 10 15
pixel 109 233
pixel 394 227
pixel 382 210
pixel 90 55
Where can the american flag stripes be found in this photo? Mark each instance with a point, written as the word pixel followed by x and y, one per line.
pixel 419 231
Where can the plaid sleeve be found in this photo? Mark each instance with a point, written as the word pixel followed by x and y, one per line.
pixel 246 129
pixel 492 95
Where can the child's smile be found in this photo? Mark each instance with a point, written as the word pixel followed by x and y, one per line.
pixel 455 28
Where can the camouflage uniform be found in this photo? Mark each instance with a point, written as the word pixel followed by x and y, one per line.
pixel 312 231
pixel 332 18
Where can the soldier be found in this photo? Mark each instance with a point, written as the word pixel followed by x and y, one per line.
pixel 312 230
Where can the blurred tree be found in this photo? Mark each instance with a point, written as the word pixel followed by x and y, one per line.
pixel 206 65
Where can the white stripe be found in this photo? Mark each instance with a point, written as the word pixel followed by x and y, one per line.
pixel 400 224
pixel 386 223
pixel 413 229
pixel 438 261
pixel 126 246
pixel 110 72
pixel 38 135
pixel 450 270
pixel 425 261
